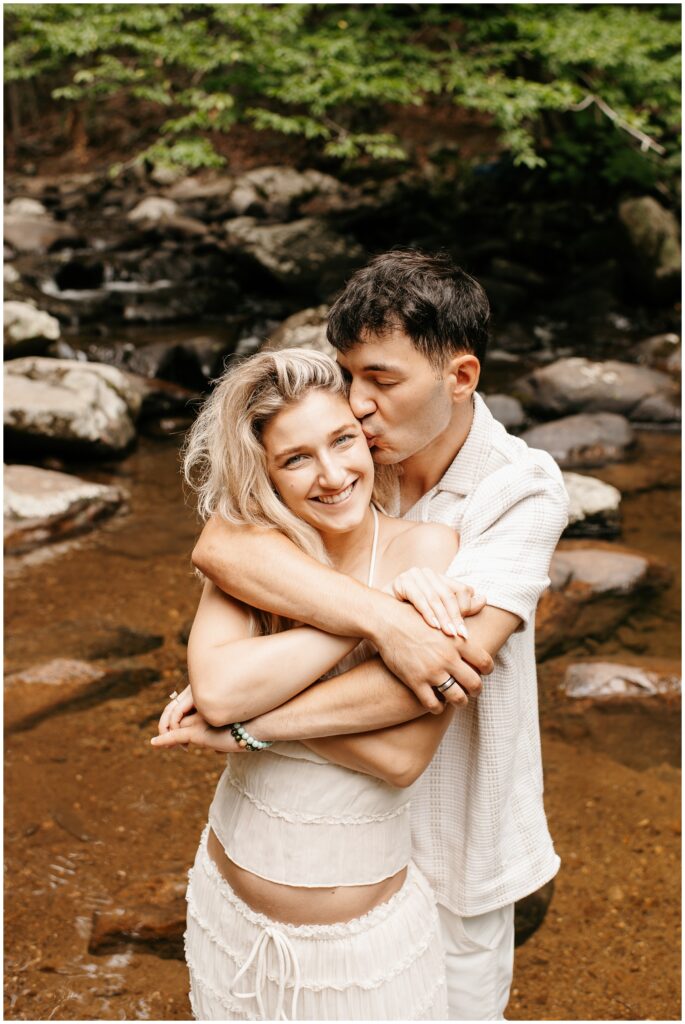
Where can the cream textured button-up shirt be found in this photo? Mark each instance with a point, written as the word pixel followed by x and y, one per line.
pixel 478 822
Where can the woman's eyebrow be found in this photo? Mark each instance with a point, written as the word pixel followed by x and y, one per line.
pixel 352 425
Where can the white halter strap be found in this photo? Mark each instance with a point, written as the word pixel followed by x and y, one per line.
pixel 374 548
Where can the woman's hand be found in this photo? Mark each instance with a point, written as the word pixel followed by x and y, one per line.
pixel 443 602
pixel 194 729
pixel 175 710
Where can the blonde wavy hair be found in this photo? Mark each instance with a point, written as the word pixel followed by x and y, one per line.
pixel 224 460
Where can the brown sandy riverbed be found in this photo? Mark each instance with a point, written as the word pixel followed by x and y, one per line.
pixel 92 811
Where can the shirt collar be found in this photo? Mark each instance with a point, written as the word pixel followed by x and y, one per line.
pixel 465 470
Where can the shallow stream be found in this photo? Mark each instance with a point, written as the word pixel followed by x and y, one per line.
pixel 97 821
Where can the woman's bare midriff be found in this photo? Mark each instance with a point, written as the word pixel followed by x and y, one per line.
pixel 294 904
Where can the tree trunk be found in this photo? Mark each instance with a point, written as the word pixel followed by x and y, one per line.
pixel 77 133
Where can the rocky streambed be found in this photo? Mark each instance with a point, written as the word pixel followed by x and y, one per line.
pixel 106 364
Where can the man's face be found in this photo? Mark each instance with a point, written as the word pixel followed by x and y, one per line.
pixel 401 400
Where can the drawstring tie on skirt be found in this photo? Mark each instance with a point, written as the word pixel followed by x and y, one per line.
pixel 288 972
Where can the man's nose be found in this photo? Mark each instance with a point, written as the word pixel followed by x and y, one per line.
pixel 361 402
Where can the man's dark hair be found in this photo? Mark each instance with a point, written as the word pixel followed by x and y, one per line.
pixel 439 306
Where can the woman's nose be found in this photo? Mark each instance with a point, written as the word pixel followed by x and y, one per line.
pixel 361 404
pixel 331 474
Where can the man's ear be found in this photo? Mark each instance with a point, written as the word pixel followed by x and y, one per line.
pixel 464 373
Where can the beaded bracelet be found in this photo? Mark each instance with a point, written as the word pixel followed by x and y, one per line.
pixel 244 739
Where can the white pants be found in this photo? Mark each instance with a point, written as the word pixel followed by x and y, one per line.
pixel 479 954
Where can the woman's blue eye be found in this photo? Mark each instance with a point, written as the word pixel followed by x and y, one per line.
pixel 343 437
pixel 293 460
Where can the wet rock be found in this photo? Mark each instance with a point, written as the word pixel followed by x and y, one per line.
pixel 81 639
pixel 593 589
pixel 507 410
pixel 662 352
pixel 530 912
pixel 10 274
pixel 192 189
pixel 190 362
pixel 302 255
pixel 29 233
pixel 274 191
pixel 166 175
pixel 42 506
pixel 23 206
pixel 152 209
pixel 653 237
pixel 60 672
pixel 27 330
pixel 594 509
pixel 58 405
pixel 587 439
pixel 151 913
pixel 579 385
pixel 306 329
pixel 602 680
pixel 66 685
pixel 163 398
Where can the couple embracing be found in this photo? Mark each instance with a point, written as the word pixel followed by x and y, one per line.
pixel 375 547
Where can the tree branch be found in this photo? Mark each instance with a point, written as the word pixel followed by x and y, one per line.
pixel 646 141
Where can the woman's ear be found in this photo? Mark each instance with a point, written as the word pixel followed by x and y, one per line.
pixel 464 373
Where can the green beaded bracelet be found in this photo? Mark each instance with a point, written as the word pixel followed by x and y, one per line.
pixel 244 739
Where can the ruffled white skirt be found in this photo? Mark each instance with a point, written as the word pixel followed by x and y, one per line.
pixel 386 965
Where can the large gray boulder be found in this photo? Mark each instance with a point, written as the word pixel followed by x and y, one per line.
pixel 201 189
pixel 662 352
pixel 275 191
pixel 594 509
pixel 42 506
pixel 604 681
pixel 67 407
pixel 587 439
pixel 152 209
pixel 35 233
pixel 593 589
pixel 507 410
pixel 303 255
pixel 24 206
pixel 306 329
pixel 580 385
pixel 27 330
pixel 653 237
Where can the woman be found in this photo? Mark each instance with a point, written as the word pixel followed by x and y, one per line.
pixel 303 900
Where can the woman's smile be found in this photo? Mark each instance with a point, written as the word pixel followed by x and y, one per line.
pixel 338 498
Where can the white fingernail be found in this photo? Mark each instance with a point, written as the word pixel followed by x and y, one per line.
pixel 463 631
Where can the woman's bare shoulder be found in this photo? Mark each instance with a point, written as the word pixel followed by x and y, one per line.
pixel 427 545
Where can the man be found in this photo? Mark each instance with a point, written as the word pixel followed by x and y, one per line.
pixel 411 334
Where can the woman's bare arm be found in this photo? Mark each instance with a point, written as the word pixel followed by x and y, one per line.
pixel 235 676
pixel 263 569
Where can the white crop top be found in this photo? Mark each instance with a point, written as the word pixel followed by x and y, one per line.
pixel 288 815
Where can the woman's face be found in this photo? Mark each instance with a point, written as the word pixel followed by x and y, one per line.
pixel 319 462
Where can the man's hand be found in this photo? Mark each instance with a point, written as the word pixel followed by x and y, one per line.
pixel 423 658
